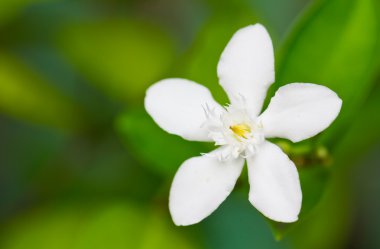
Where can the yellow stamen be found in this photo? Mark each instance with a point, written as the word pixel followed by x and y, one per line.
pixel 241 130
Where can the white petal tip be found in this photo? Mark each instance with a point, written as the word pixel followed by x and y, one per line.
pixel 180 219
pixel 287 220
pixel 304 110
pixel 179 222
pixel 200 185
pixel 278 217
pixel 246 66
pixel 275 189
pixel 176 106
pixel 255 26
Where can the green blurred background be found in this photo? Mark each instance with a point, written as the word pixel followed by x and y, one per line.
pixel 83 166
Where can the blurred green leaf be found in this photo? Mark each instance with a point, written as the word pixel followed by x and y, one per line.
pixel 322 49
pixel 328 225
pixel 334 45
pixel 153 147
pixel 113 227
pixel 119 225
pixel 10 8
pixel 121 57
pixel 236 224
pixel 202 59
pixel 362 134
pixel 25 95
pixel 161 235
pixel 41 230
pixel 331 220
pixel 313 181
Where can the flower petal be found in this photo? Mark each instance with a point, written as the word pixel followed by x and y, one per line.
pixel 200 185
pixel 176 105
pixel 299 111
pixel 274 184
pixel 246 67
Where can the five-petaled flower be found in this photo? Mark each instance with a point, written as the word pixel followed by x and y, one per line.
pixel 297 111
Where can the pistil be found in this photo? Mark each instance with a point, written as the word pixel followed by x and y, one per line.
pixel 241 130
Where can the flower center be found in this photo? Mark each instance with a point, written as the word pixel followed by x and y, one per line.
pixel 234 130
pixel 241 130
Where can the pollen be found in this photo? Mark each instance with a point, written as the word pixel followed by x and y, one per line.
pixel 241 130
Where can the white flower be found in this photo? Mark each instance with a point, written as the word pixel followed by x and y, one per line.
pixel 297 111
